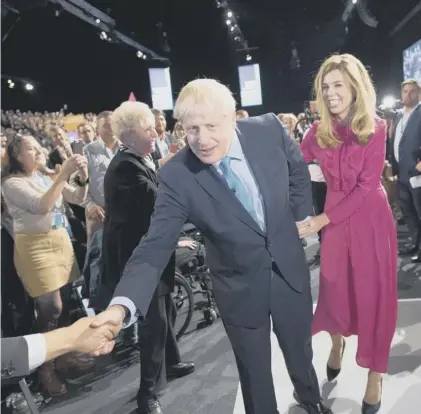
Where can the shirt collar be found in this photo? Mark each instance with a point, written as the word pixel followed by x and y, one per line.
pixel 412 110
pixel 113 151
pixel 235 151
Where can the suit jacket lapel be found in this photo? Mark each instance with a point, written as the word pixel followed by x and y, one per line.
pixel 217 188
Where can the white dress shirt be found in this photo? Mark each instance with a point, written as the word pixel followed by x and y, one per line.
pixel 400 129
pixel 37 350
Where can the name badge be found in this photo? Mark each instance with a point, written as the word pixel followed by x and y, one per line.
pixel 58 221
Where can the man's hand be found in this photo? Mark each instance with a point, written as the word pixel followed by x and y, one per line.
pixel 95 212
pixel 93 341
pixel 189 244
pixel 112 319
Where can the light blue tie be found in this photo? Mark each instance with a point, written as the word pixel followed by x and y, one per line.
pixel 237 186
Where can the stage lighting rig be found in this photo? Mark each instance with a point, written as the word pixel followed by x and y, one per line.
pixel 362 10
pixel 231 21
pixel 106 26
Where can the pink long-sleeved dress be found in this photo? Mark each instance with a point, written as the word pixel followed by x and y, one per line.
pixel 358 269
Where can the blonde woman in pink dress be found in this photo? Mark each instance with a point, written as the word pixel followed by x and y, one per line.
pixel 358 271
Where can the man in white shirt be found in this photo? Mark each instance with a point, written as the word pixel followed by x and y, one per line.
pixel 99 154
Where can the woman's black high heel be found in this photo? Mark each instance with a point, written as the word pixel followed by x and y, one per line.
pixel 372 408
pixel 333 373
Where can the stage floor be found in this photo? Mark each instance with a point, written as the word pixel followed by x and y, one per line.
pixel 214 388
pixel 401 386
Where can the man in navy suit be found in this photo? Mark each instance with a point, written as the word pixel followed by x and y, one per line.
pixel 246 186
pixel 404 155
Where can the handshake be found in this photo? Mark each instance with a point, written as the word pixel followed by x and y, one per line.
pixel 91 335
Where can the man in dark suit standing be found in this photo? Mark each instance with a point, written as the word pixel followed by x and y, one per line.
pixel 130 187
pixel 247 188
pixel 405 154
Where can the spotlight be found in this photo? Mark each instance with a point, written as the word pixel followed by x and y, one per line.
pixel 354 1
pixel 9 81
pixel 229 14
pixel 11 85
pixel 139 54
pixel 97 21
pixel 228 22
pixel 232 28
pixel 389 102
pixel 248 58
pixel 103 36
pixel 29 87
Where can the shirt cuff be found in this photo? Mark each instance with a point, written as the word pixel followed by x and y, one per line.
pixel 37 350
pixel 133 315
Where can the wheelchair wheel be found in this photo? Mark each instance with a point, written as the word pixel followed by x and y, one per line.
pixel 184 304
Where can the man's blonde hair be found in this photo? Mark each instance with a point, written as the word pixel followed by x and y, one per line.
pixel 202 96
pixel 129 117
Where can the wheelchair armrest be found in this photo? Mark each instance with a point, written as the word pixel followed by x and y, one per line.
pixel 188 227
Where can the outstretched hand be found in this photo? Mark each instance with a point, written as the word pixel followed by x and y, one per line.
pixel 112 320
pixel 93 341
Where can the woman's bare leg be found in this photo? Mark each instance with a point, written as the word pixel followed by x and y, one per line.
pixel 373 391
pixel 335 357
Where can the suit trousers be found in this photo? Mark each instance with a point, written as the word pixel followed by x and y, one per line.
pixel 158 345
pixel 291 313
pixel 410 204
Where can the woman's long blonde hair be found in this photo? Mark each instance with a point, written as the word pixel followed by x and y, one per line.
pixel 363 110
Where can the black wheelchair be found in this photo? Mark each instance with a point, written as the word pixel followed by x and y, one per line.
pixel 193 285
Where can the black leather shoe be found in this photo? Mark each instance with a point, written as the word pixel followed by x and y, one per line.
pixel 319 408
pixel 148 405
pixel 371 408
pixel 331 372
pixel 180 370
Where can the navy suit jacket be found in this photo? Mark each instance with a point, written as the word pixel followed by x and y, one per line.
pixel 14 358
pixel 239 254
pixel 409 147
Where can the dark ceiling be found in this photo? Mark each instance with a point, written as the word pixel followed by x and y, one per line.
pixel 73 66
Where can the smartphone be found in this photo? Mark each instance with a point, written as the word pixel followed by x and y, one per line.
pixel 78 147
